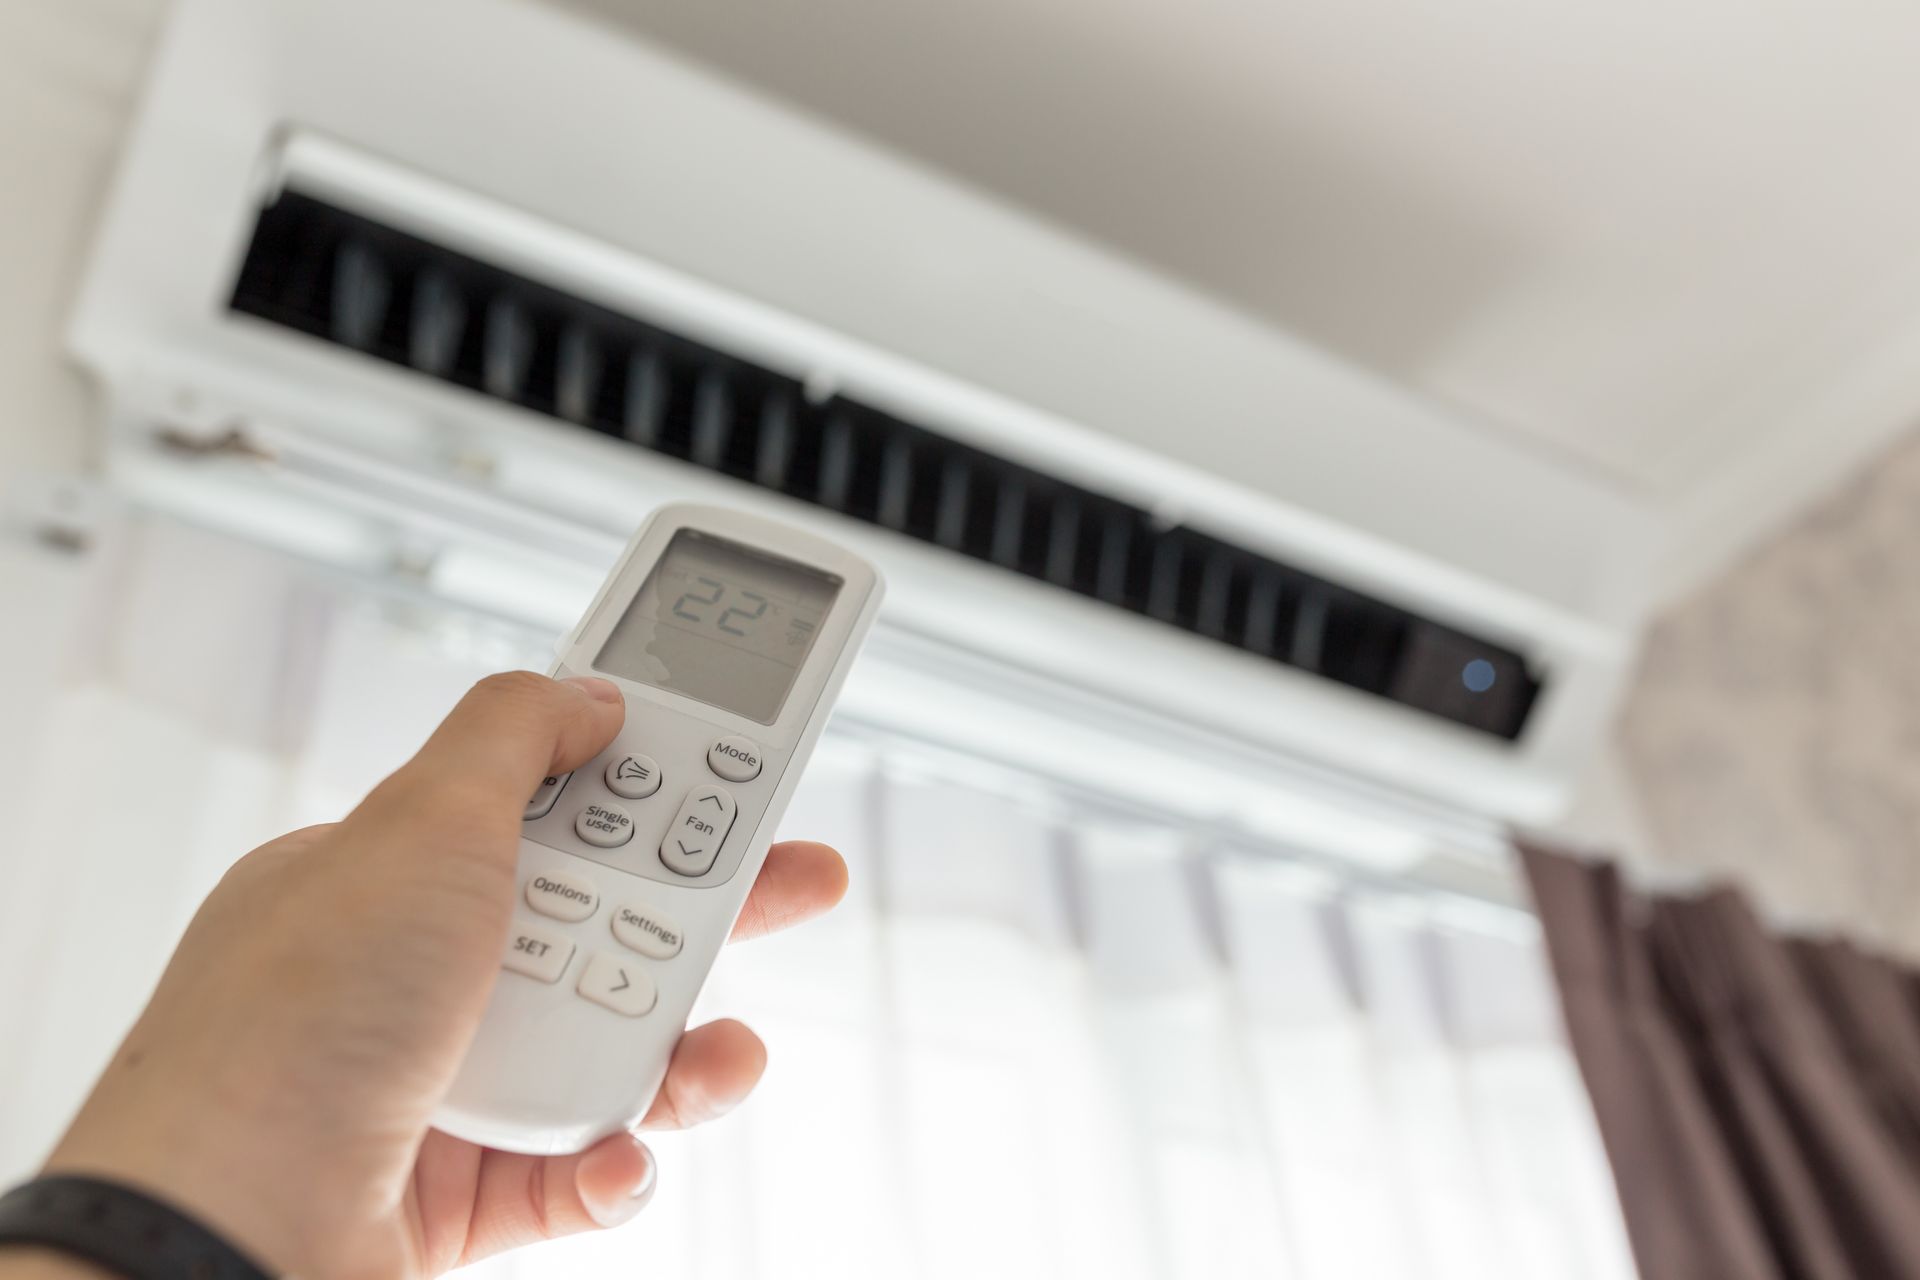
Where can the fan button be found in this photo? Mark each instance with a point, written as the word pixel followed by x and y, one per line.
pixel 698 830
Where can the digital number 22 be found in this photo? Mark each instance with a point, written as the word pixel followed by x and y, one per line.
pixel 680 605
pixel 760 607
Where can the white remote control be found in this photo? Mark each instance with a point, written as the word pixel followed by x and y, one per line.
pixel 730 636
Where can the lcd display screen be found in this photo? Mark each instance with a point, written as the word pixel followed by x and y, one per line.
pixel 721 623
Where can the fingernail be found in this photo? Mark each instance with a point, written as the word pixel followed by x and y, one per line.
pixel 644 1191
pixel 613 1212
pixel 596 688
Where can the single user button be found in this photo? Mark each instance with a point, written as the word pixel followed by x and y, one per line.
pixel 698 830
pixel 735 759
pixel 619 984
pixel 605 825
pixel 539 953
pixel 544 796
pixel 648 932
pixel 562 896
pixel 633 777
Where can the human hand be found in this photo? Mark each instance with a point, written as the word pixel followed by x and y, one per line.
pixel 280 1083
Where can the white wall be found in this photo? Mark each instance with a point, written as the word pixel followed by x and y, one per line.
pixel 69 72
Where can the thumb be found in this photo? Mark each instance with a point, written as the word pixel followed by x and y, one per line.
pixel 520 1199
pixel 475 774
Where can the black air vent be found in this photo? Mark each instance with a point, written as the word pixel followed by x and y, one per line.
pixel 356 283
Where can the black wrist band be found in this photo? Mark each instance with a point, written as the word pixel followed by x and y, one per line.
pixel 120 1229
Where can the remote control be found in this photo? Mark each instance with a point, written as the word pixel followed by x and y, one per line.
pixel 730 636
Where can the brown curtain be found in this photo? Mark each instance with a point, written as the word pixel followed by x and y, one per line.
pixel 1759 1096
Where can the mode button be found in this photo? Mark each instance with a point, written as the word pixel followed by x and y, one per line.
pixel 735 759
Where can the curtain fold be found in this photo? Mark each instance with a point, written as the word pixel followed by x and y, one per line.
pixel 1037 1040
pixel 1757 1095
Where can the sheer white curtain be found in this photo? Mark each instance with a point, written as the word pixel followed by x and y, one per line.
pixel 1038 1040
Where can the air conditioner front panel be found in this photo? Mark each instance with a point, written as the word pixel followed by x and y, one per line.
pixel 561 152
pixel 634 150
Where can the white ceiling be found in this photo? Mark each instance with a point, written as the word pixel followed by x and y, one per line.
pixel 1651 237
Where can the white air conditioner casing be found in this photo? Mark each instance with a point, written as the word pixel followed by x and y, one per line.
pixel 549 146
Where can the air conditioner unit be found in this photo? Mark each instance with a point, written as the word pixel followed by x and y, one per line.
pixel 469 285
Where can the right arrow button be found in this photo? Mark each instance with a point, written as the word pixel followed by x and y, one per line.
pixel 620 985
pixel 693 840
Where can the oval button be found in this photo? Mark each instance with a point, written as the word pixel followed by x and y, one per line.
pixel 604 825
pixel 647 931
pixel 698 831
pixel 633 777
pixel 735 759
pixel 543 798
pixel 562 897
pixel 618 984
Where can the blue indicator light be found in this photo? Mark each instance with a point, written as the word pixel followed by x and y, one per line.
pixel 1478 675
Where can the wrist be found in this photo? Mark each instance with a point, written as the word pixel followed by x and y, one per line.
pixel 231 1212
pixel 189 1158
pixel 35 1263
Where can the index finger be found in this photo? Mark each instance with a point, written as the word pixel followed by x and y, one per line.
pixel 490 753
pixel 799 880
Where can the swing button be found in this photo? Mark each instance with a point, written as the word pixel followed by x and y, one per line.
pixel 633 777
pixel 698 831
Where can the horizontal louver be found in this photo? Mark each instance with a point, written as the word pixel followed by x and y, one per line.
pixel 353 282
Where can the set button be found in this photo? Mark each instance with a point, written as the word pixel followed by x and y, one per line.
pixel 735 759
pixel 619 985
pixel 605 826
pixel 541 954
pixel 563 897
pixel 698 830
pixel 645 930
pixel 633 777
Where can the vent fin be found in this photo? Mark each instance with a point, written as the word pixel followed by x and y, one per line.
pixel 1263 612
pixel 438 323
pixel 577 389
pixel 323 271
pixel 712 420
pixel 1116 551
pixel 770 468
pixel 361 291
pixel 1009 522
pixel 956 483
pixel 646 399
pixel 1309 629
pixel 509 349
pixel 836 463
pixel 1063 541
pixel 896 483
pixel 1216 587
